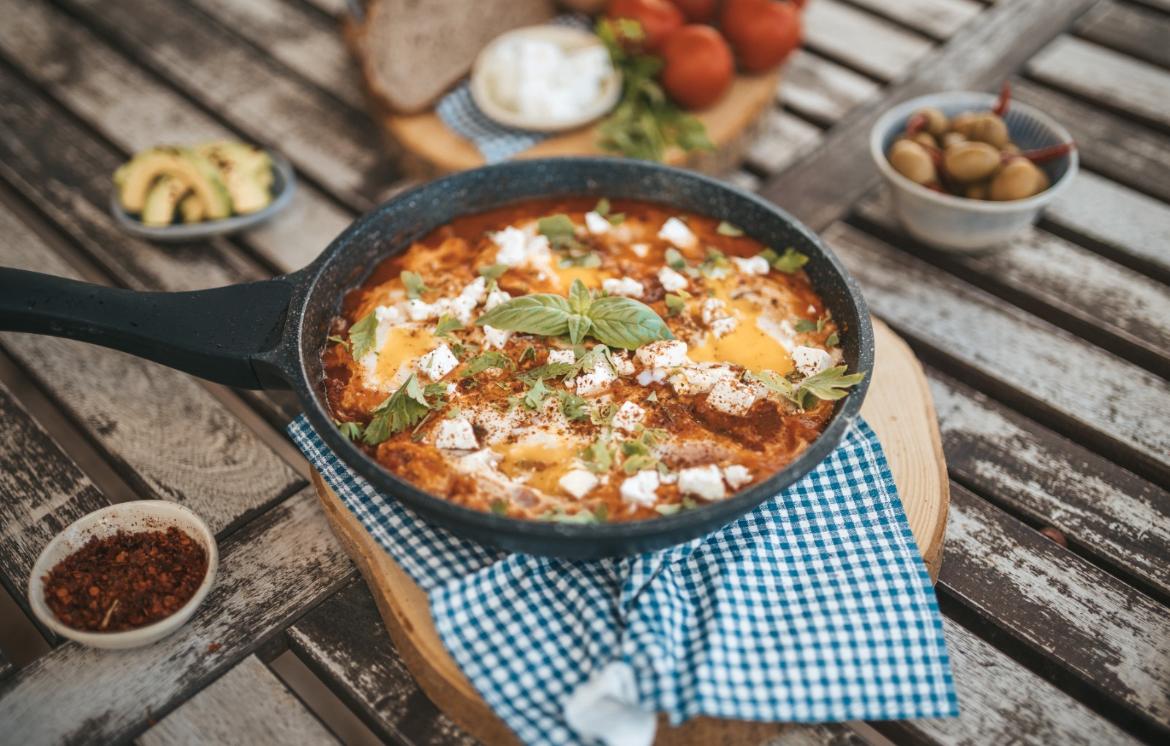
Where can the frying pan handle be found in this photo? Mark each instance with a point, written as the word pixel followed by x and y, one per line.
pixel 230 335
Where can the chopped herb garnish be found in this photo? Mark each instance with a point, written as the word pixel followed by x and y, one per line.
pixel 528 354
pixel 832 340
pixel 492 271
pixel 715 264
pixel 727 229
pixel 638 453
pixel 446 325
pixel 351 430
pixel 551 370
pixel 362 336
pixel 653 396
pixel 788 262
pixel 335 339
pixel 499 506
pixel 536 395
pixel 590 260
pixel 668 509
pixel 602 414
pixel 675 260
pixel 828 385
pixel 676 303
pixel 414 284
pixel 601 513
pixel 602 207
pixel 403 409
pixel 573 407
pixel 559 230
pixel 452 413
pixel 485 360
pixel 597 457
pixel 805 325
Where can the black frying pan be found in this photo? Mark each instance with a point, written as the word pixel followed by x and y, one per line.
pixel 270 334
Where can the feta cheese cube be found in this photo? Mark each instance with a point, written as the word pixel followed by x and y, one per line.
pixel 596 223
pixel 705 482
pixel 811 360
pixel 756 265
pixel 780 330
pixel 671 281
pixel 622 364
pixel 667 353
pixel 438 362
pixel 676 232
pixel 455 434
pixel 735 397
pixel 651 375
pixel 640 249
pixel 495 298
pixel 713 309
pixel 736 475
pixel 561 356
pixel 724 326
pixel 513 245
pixel 495 338
pixel 419 310
pixel 392 315
pixel 642 488
pixel 628 416
pixel 700 378
pixel 578 482
pixel 623 286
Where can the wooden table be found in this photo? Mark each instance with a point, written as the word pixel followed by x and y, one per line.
pixel 1048 363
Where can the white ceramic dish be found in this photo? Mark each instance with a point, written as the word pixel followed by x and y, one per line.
pixel 567 38
pixel 283 186
pixel 141 515
pixel 966 225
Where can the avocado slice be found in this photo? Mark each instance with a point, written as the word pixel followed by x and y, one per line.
pixel 246 171
pixel 191 208
pixel 136 179
pixel 163 198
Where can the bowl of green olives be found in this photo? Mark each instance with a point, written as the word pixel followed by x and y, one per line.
pixel 967 171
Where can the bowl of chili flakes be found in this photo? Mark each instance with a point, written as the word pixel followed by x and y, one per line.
pixel 126 575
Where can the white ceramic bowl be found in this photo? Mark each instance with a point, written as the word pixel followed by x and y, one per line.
pixel 567 38
pixel 956 223
pixel 140 515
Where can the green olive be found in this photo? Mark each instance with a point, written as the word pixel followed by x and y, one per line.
pixel 952 138
pixel 912 161
pixel 989 128
pixel 1011 149
pixel 925 139
pixel 1018 179
pixel 936 121
pixel 967 162
pixel 962 123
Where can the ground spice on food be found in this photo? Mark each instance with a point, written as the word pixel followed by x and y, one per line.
pixel 126 580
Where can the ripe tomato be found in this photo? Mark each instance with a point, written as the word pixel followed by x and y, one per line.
pixel 698 11
pixel 762 32
pixel 657 18
pixel 698 66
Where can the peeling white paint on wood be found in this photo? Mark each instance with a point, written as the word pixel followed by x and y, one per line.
pixel 821 89
pixel 783 138
pixel 877 47
pixel 938 18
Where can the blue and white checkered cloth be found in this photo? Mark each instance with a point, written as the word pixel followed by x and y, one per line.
pixel 816 606
pixel 494 142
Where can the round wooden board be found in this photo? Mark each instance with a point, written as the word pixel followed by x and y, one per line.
pixel 431 146
pixel 898 407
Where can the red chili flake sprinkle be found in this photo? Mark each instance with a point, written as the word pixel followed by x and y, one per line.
pixel 126 580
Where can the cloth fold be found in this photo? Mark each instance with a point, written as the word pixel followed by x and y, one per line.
pixel 815 606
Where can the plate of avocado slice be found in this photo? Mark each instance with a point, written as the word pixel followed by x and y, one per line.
pixel 187 193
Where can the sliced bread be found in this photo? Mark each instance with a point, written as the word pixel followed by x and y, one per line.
pixel 412 51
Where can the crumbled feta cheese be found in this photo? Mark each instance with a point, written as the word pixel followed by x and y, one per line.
pixel 628 416
pixel 705 482
pixel 596 380
pixel 463 305
pixel 651 375
pixel 669 477
pixel 495 298
pixel 622 363
pixel 438 362
pixel 481 463
pixel 455 434
pixel 756 265
pixel 700 378
pixel 419 310
pixel 780 330
pixel 640 249
pixel 735 397
pixel 596 223
pixel 513 245
pixel 811 308
pixel 713 309
pixel 676 232
pixel 811 360
pixel 495 338
pixel 667 353
pixel 561 356
pixel 624 286
pixel 578 482
pixel 389 314
pixel 736 475
pixel 671 281
pixel 724 326
pixel 642 488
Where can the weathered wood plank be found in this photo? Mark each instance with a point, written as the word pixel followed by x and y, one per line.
pixel 1133 227
pixel 164 432
pixel 860 40
pixel 269 572
pixel 1123 150
pixel 345 643
pixel 1024 358
pixel 1003 702
pixel 340 151
pixel 822 90
pixel 1115 306
pixel 1078 617
pixel 1129 29
pixel 41 492
pixel 782 138
pixel 824 185
pixel 133 110
pixel 1104 510
pixel 298 38
pixel 939 19
pixel 246 705
pixel 1105 76
pixel 65 173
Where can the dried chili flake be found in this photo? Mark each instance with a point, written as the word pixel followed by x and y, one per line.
pixel 126 580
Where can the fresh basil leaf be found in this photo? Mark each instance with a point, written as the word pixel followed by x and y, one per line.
pixel 675 260
pixel 775 383
pixel 624 322
pixel 351 430
pixel 414 284
pixel 446 325
pixel 403 409
pixel 727 229
pixel 362 336
pixel 540 313
pixel 579 326
pixel 485 360
pixel 829 385
pixel 579 298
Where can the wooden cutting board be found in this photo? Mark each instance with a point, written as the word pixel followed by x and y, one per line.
pixel 901 412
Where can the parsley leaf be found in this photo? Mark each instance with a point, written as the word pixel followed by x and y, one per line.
pixel 351 430
pixel 572 406
pixel 403 409
pixel 362 336
pixel 536 395
pixel 727 229
pixel 414 284
pixel 788 262
pixel 485 360
pixel 597 456
pixel 446 325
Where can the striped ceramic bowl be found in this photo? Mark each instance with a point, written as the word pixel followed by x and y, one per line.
pixel 956 223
